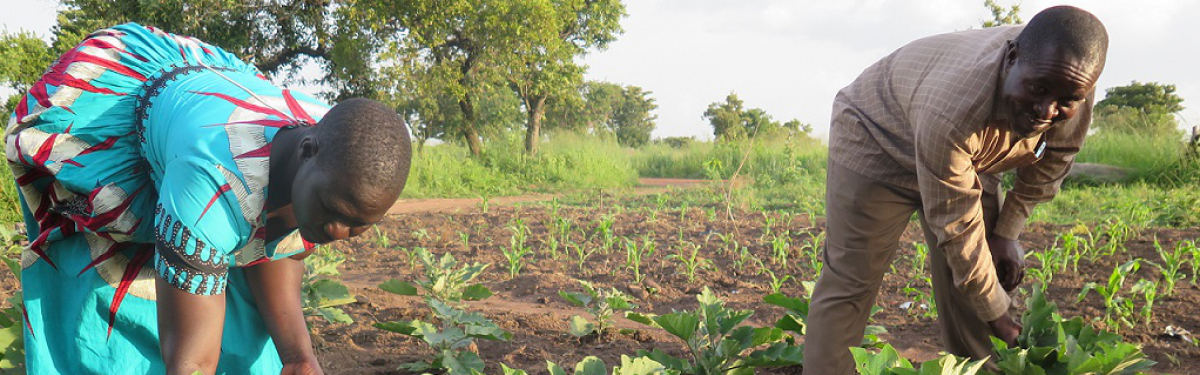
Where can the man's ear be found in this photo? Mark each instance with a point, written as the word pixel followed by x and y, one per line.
pixel 1010 54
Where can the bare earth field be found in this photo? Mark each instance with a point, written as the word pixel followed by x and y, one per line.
pixel 529 307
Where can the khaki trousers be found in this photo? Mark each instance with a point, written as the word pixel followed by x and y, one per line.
pixel 864 221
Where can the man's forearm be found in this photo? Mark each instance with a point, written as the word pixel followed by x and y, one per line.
pixel 276 288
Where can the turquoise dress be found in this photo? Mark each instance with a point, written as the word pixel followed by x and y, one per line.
pixel 139 153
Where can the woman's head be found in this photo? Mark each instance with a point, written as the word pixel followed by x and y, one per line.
pixel 353 166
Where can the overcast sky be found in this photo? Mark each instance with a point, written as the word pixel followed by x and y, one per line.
pixel 790 57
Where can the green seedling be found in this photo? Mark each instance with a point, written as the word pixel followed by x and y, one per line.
pixel 582 253
pixel 1172 262
pixel 780 248
pixel 465 239
pixel 1149 291
pixel 717 342
pixel 635 253
pixel 321 291
pixel 604 229
pixel 517 250
pixel 484 204
pixel 1116 310
pixel 777 282
pixel 1190 247
pixel 594 366
pixel 810 249
pixel 381 238
pixel 600 304
pixel 445 288
pixel 688 260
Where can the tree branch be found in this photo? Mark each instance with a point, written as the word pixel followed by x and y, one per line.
pixel 288 54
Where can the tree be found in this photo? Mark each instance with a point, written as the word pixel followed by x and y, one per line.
pixel 23 58
pixel 731 120
pixel 543 62
pixel 1139 108
pixel 1002 16
pixel 632 121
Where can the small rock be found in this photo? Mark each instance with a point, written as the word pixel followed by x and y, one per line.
pixel 363 300
pixel 638 292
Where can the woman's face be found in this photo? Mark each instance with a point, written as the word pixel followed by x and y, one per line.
pixel 328 210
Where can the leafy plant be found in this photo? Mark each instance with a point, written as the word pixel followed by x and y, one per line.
pixel 1190 247
pixel 889 362
pixel 582 252
pixel 600 304
pixel 780 247
pixel 594 366
pixel 13 318
pixel 445 288
pixel 795 317
pixel 604 229
pixel 1050 345
pixel 322 292
pixel 776 283
pixel 717 343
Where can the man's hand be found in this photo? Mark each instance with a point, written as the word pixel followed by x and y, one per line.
pixel 1006 329
pixel 1009 258
pixel 305 366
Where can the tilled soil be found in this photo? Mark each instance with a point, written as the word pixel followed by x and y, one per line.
pixel 529 307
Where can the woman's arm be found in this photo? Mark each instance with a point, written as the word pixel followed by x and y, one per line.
pixel 189 328
pixel 276 288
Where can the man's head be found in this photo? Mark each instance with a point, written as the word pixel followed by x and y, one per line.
pixel 352 170
pixel 1051 67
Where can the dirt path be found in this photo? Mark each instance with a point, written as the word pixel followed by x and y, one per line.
pixel 645 186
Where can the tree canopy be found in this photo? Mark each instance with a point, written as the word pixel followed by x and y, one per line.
pixel 731 120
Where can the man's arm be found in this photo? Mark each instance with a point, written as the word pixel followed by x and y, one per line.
pixel 276 288
pixel 1039 182
pixel 189 329
pixel 950 196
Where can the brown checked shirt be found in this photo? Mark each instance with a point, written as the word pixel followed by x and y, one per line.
pixel 926 118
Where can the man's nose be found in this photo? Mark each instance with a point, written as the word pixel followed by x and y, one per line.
pixel 1047 110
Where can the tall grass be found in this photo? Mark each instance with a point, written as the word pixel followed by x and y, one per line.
pixel 1151 158
pixel 568 162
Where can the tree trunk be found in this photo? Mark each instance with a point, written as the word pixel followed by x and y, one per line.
pixel 537 110
pixel 468 130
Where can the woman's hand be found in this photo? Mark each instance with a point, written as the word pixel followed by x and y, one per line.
pixel 305 366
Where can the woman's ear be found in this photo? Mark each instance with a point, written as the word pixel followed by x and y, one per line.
pixel 309 147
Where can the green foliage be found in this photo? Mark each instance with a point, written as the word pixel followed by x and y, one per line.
pixel 1002 16
pixel 568 162
pixel 600 304
pixel 12 318
pixel 23 59
pixel 594 366
pixel 888 362
pixel 1118 310
pixel 716 341
pixel 1150 97
pixel 732 121
pixel 795 317
pixel 321 290
pixel 445 286
pixel 607 110
pixel 1051 345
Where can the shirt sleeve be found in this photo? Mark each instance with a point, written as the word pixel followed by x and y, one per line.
pixel 1040 182
pixel 197 227
pixel 950 196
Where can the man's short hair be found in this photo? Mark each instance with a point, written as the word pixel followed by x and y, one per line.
pixel 1065 31
pixel 368 139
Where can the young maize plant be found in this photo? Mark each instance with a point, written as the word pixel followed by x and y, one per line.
pixel 1172 262
pixel 1117 310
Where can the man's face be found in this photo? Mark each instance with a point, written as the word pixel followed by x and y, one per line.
pixel 328 210
pixel 1044 90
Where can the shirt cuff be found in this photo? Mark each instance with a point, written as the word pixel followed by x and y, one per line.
pixel 1011 222
pixel 993 304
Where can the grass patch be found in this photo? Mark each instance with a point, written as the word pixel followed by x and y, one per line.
pixel 1151 158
